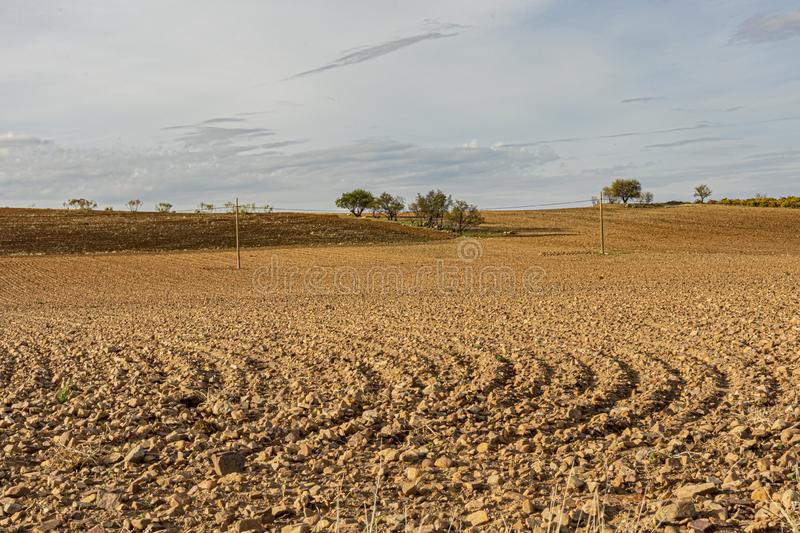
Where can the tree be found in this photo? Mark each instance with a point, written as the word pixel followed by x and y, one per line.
pixel 391 205
pixel 429 210
pixel 134 205
pixel 626 189
pixel 80 203
pixel 646 198
pixel 701 192
pixel 463 216
pixel 355 201
pixel 608 196
pixel 208 208
pixel 163 207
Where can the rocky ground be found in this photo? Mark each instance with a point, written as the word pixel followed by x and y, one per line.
pixel 641 391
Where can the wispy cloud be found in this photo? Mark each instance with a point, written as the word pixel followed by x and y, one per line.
pixel 11 140
pixel 642 99
pixel 699 126
pixel 765 28
pixel 686 142
pixel 374 51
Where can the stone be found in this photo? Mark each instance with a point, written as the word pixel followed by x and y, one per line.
pixel 140 524
pixel 690 491
pixel 296 528
pixel 483 447
pixel 135 455
pixel 108 500
pixel 443 462
pixel 478 518
pixel 675 512
pixel 17 491
pixel 248 524
pixel 228 463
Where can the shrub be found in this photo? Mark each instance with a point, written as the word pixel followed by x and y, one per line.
pixel 80 203
pixel 163 207
pixel 134 205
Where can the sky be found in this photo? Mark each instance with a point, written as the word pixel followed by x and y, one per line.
pixel 502 103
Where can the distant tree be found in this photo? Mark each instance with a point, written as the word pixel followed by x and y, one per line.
pixel 163 207
pixel 626 189
pixel 646 198
pixel 463 216
pixel 608 196
pixel 701 192
pixel 204 207
pixel 109 208
pixel 266 208
pixel 80 203
pixel 355 201
pixel 390 205
pixel 134 205
pixel 243 208
pixel 429 210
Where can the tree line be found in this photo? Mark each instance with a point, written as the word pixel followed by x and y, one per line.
pixel 625 190
pixel 434 209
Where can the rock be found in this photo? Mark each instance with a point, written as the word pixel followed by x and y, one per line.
pixel 17 491
pixel 478 518
pixel 48 525
pixel 108 500
pixel 443 462
pixel 690 491
pixel 701 524
pixel 228 463
pixel 409 488
pixel 140 524
pixel 135 455
pixel 675 512
pixel 248 524
pixel 296 528
pixel 483 447
pixel 759 495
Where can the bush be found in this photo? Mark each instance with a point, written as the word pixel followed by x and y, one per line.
pixel 791 202
pixel 163 207
pixel 80 203
pixel 134 205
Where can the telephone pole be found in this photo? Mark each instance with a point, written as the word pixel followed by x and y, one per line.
pixel 602 228
pixel 236 218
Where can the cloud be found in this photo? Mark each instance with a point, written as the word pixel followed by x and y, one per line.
pixel 686 142
pixel 766 28
pixel 15 140
pixel 223 120
pixel 186 175
pixel 374 51
pixel 642 99
pixel 699 126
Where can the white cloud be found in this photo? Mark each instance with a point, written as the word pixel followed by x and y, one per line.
pixel 764 28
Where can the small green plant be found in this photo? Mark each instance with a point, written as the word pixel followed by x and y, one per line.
pixel 63 394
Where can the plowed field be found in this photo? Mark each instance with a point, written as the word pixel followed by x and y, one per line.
pixel 509 383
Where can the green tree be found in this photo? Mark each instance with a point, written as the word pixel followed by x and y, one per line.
pixel 355 201
pixel 701 192
pixel 391 205
pixel 134 205
pixel 626 189
pixel 463 216
pixel 429 210
pixel 163 207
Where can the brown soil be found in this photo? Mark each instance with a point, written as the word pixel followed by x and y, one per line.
pixel 56 231
pixel 402 379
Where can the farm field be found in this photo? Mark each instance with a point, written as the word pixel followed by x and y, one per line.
pixel 509 383
pixel 52 231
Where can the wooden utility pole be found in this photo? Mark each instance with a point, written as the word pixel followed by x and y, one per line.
pixel 602 228
pixel 236 218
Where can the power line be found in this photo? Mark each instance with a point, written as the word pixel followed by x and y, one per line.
pixel 535 205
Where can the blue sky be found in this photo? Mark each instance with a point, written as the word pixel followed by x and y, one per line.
pixel 501 103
